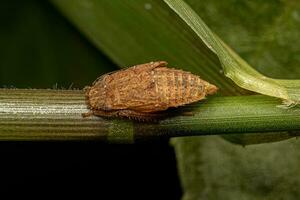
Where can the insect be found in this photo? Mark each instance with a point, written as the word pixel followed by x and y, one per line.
pixel 144 92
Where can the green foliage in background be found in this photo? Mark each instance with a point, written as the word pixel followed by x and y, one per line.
pixel 264 33
pixel 234 67
pixel 48 48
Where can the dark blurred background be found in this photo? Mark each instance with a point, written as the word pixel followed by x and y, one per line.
pixel 41 49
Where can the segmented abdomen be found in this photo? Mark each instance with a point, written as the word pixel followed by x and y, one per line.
pixel 177 87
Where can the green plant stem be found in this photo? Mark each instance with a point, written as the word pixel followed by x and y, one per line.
pixel 31 114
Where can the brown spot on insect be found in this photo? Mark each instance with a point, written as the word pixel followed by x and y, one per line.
pixel 144 92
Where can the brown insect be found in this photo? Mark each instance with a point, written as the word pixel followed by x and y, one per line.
pixel 144 91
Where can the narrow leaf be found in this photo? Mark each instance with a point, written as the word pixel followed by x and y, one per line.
pixel 234 66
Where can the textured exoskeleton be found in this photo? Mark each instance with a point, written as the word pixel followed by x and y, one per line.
pixel 143 91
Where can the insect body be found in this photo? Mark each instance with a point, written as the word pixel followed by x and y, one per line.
pixel 143 92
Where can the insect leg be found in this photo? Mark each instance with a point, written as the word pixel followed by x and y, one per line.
pixel 140 116
pixel 87 114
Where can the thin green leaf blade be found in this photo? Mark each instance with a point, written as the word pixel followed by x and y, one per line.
pixel 131 33
pixel 233 65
